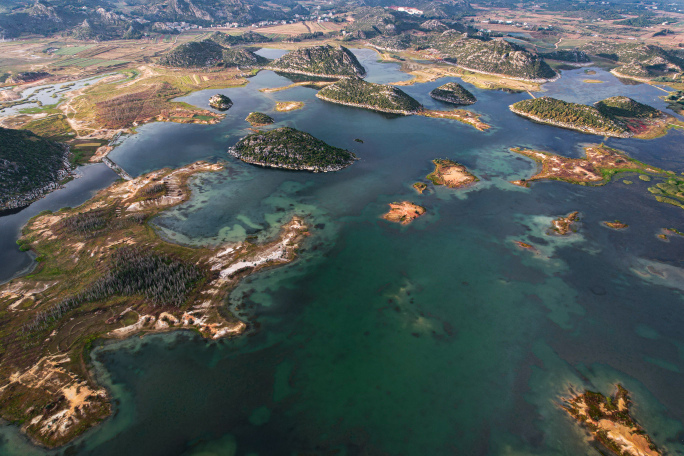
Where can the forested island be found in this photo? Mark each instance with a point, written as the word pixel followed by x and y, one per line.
pixel 330 61
pixel 288 148
pixel 363 94
pixel 30 167
pixel 453 92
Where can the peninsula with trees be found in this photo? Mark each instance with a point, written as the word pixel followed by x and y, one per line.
pixel 620 117
pixel 103 272
pixel 288 148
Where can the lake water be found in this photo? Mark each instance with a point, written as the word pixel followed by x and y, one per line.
pixel 436 338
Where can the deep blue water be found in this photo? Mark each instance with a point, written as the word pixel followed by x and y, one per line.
pixel 440 337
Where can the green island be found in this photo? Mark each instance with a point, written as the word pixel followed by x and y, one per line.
pixel 104 272
pixel 453 92
pixel 608 420
pixel 670 191
pixel 288 148
pixel 376 97
pixel 326 60
pixel 620 117
pixel 209 53
pixel 30 167
pixel 220 102
pixel 451 174
pixel 258 119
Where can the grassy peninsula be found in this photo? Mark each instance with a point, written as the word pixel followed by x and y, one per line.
pixel 30 167
pixel 376 97
pixel 291 149
pixel 104 272
pixel 324 61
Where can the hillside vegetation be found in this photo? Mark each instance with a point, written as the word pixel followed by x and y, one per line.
pixel 291 149
pixel 234 40
pixel 208 53
pixel 30 167
pixel 320 61
pixel 378 97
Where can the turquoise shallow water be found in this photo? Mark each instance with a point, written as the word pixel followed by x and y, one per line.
pixel 436 338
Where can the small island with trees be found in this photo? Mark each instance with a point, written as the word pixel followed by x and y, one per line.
pixel 454 93
pixel 259 119
pixel 288 148
pixel 376 97
pixel 220 102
